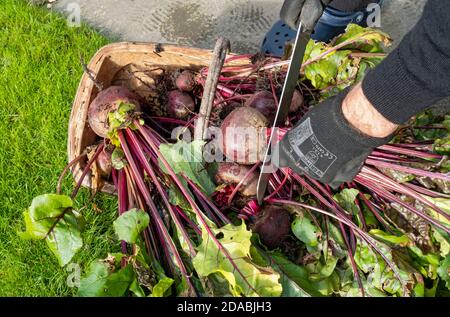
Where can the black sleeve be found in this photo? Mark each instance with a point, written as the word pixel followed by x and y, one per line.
pixel 417 73
pixel 350 5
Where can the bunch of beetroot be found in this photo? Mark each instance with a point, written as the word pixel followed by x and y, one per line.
pixel 301 220
pixel 131 156
pixel 236 178
pixel 239 173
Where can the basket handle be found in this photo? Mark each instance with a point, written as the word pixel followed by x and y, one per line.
pixel 218 59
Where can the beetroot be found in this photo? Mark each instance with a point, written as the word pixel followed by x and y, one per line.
pixel 107 101
pixel 263 102
pixel 232 173
pixel 180 104
pixel 104 163
pixel 185 81
pixel 272 225
pixel 244 135
pixel 297 101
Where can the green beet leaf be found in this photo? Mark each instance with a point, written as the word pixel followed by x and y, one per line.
pixel 444 271
pixel 118 160
pixel 307 232
pixel 51 217
pixel 295 279
pixel 363 39
pixel 65 239
pixel 120 119
pixel 442 146
pixel 187 158
pixel 136 288
pixel 176 198
pixel 355 291
pixel 105 278
pixel 380 275
pixel 322 269
pixel 258 281
pixel 427 264
pixel 290 287
pixel 130 224
pixel 443 240
pixel 346 198
pixel 444 205
pixel 446 122
pixel 332 67
pixel 323 73
pixel 369 217
pixel 401 241
pixel 161 288
pixel 429 118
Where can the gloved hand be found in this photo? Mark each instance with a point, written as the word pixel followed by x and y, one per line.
pixel 310 11
pixel 325 146
pixel 306 11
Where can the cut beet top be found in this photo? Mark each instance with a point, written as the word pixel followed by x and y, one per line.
pixel 107 101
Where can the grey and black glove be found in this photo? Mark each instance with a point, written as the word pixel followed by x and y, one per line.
pixel 306 11
pixel 325 146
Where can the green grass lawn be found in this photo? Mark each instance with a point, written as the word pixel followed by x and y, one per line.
pixel 39 75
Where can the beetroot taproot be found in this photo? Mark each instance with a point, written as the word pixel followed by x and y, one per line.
pixel 104 163
pixel 297 101
pixel 107 101
pixel 244 135
pixel 185 81
pixel 273 224
pixel 264 102
pixel 180 104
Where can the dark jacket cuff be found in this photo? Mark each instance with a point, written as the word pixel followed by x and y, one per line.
pixel 393 93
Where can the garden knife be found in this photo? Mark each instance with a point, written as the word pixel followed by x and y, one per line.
pixel 301 41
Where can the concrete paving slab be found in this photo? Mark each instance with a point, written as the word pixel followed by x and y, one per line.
pixel 198 23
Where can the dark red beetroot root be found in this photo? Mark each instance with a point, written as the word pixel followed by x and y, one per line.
pixel 185 81
pixel 180 104
pixel 273 224
pixel 244 135
pixel 263 102
pixel 104 163
pixel 297 101
pixel 232 173
pixel 107 101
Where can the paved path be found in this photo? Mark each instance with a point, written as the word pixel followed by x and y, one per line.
pixel 199 22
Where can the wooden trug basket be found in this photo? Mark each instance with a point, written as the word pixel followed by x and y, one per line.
pixel 105 66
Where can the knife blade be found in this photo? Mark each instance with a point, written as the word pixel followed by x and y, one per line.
pixel 301 41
